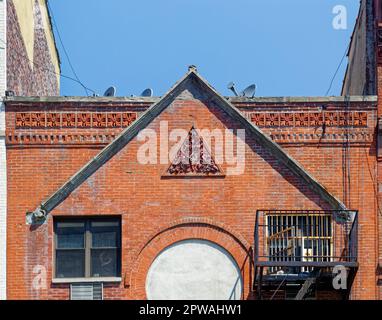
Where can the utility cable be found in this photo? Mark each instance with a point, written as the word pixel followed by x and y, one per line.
pixel 51 71
pixel 338 68
pixel 64 49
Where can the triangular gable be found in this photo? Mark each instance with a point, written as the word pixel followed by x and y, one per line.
pixel 149 115
pixel 193 159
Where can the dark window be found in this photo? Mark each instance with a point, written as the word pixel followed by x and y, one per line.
pixel 87 247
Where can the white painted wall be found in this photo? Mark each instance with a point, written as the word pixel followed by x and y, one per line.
pixel 194 270
pixel 3 171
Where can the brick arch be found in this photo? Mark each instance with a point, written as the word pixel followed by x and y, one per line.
pixel 197 221
pixel 185 229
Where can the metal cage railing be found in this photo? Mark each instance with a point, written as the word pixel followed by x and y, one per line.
pixel 294 241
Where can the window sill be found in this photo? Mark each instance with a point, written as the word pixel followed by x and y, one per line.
pixel 84 280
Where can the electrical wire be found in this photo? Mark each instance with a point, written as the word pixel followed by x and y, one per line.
pixel 63 47
pixel 51 71
pixel 338 68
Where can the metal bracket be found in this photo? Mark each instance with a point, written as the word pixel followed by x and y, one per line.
pixel 345 216
pixel 38 216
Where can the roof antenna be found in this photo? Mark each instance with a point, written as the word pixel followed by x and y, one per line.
pixel 250 91
pixel 231 86
pixel 110 92
pixel 147 92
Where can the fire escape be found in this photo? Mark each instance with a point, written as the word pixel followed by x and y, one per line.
pixel 299 253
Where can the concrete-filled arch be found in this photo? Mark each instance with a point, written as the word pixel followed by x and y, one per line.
pixel 194 269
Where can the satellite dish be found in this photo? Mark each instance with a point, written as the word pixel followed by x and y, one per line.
pixel 231 86
pixel 110 92
pixel 147 93
pixel 250 91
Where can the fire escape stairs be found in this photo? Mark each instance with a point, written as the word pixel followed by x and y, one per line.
pixel 308 284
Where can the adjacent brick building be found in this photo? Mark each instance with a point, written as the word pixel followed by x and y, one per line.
pixel 290 192
pixel 33 65
pixel 29 66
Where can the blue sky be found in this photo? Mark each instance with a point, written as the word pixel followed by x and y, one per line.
pixel 288 48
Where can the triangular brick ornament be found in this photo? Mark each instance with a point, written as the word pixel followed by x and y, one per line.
pixel 194 159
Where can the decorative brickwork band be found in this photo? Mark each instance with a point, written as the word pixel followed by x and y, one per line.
pixel 25 120
pixel 60 139
pixel 309 119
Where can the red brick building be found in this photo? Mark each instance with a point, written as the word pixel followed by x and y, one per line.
pixel 29 66
pixel 32 60
pixel 289 194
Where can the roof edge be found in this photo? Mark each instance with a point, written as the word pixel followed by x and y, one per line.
pixel 122 99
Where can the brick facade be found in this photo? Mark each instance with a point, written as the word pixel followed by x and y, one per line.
pixel 378 49
pixel 23 75
pixel 157 211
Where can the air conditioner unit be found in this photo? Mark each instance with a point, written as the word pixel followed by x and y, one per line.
pixel 86 291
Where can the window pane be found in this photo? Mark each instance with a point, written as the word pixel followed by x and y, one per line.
pixel 105 263
pixel 105 224
pixel 70 235
pixel 105 237
pixel 70 263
